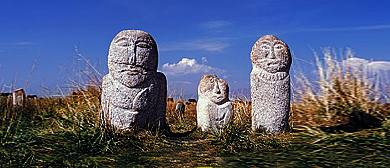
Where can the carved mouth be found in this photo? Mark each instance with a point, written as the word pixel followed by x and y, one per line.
pixel 133 70
pixel 273 65
pixel 272 62
pixel 218 99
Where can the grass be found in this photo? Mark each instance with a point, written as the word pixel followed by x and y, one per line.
pixel 65 132
pixel 334 125
pixel 45 136
pixel 341 100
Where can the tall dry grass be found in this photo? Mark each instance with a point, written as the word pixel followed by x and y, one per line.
pixel 181 123
pixel 343 95
pixel 238 136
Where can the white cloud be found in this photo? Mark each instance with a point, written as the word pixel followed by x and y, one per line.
pixel 188 66
pixel 23 43
pixel 355 28
pixel 216 25
pixel 181 82
pixel 380 65
pixel 378 73
pixel 204 60
pixel 376 70
pixel 17 43
pixel 371 66
pixel 214 45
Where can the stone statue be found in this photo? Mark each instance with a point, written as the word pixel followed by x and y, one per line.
pixel 180 108
pixel 19 97
pixel 214 110
pixel 133 92
pixel 270 84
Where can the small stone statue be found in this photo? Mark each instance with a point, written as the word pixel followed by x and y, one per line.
pixel 270 84
pixel 19 97
pixel 133 92
pixel 180 108
pixel 214 110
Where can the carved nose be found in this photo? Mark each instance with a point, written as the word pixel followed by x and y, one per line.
pixel 132 56
pixel 272 55
pixel 132 59
pixel 216 89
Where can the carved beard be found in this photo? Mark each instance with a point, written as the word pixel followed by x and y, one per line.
pixel 272 65
pixel 272 69
pixel 131 78
pixel 217 98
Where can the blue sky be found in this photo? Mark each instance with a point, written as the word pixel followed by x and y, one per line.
pixel 193 37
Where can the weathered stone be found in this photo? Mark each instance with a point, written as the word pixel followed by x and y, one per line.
pixel 214 109
pixel 133 92
pixel 18 97
pixel 270 84
pixel 180 108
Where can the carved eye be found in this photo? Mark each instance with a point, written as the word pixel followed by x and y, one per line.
pixel 278 46
pixel 212 80
pixel 124 44
pixel 264 47
pixel 143 45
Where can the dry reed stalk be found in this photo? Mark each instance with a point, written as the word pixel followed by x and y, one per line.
pixel 341 91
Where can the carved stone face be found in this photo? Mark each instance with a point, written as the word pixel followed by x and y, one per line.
pixel 217 90
pixel 132 56
pixel 271 54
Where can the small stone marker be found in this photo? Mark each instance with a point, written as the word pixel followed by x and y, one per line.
pixel 214 109
pixel 133 92
pixel 270 84
pixel 180 108
pixel 18 97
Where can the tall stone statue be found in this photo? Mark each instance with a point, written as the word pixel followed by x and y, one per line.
pixel 214 109
pixel 270 84
pixel 133 92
